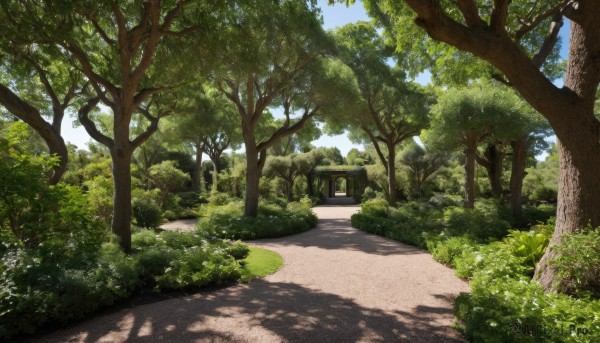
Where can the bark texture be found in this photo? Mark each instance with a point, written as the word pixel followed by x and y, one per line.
pixel 121 221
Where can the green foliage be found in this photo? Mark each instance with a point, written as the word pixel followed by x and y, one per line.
pixel 272 220
pixel 410 223
pixel 197 267
pixel 445 250
pixel 505 305
pixel 168 178
pixel 576 262
pixel 40 287
pixel 541 182
pixel 146 212
pixel 530 245
pixel 480 224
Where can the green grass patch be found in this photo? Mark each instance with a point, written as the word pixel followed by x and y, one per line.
pixel 260 262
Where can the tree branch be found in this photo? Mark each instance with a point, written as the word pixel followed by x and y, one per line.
pixel 499 15
pixel 549 41
pixel 528 25
pixel 287 130
pixel 470 13
pixel 88 124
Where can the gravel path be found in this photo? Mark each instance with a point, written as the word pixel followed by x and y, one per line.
pixel 338 284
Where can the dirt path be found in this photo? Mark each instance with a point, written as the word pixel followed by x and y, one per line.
pixel 338 284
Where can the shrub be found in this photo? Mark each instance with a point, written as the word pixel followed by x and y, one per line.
pixel 39 286
pixel 529 245
pixel 375 208
pixel 446 250
pixel 146 212
pixel 542 213
pixel 198 267
pixel 577 260
pixel 37 289
pixel 480 224
pixel 272 221
pixel 180 260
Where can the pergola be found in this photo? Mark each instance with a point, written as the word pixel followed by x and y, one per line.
pixel 326 177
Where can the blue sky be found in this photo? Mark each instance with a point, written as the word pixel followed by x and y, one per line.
pixel 333 16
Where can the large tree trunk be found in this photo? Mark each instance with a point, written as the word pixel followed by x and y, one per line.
pixel 252 177
pixel 578 196
pixel 578 133
pixel 519 156
pixel 470 152
pixel 391 174
pixel 121 221
pixel 198 177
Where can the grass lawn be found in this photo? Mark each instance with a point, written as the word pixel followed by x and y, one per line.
pixel 261 262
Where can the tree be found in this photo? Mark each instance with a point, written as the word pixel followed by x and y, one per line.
pixel 392 110
pixel 421 163
pixel 358 158
pixel 497 34
pixel 289 168
pixel 208 121
pixel 272 53
pixel 167 178
pixel 466 118
pixel 121 48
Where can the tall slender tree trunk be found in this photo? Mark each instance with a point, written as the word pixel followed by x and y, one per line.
pixel 198 177
pixel 391 174
pixel 215 176
pixel 578 133
pixel 519 156
pixel 121 221
pixel 470 152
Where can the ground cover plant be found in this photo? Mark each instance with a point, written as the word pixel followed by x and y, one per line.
pixel 505 304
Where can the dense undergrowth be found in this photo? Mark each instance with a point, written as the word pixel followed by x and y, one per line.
pixel 52 286
pixel 505 304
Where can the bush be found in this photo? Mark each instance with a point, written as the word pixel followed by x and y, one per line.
pixel 38 286
pixel 446 250
pixel 480 224
pixel 146 212
pixel 505 305
pixel 375 208
pixel 272 221
pixel 577 260
pixel 37 289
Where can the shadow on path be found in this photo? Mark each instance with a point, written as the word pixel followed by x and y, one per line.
pixel 287 312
